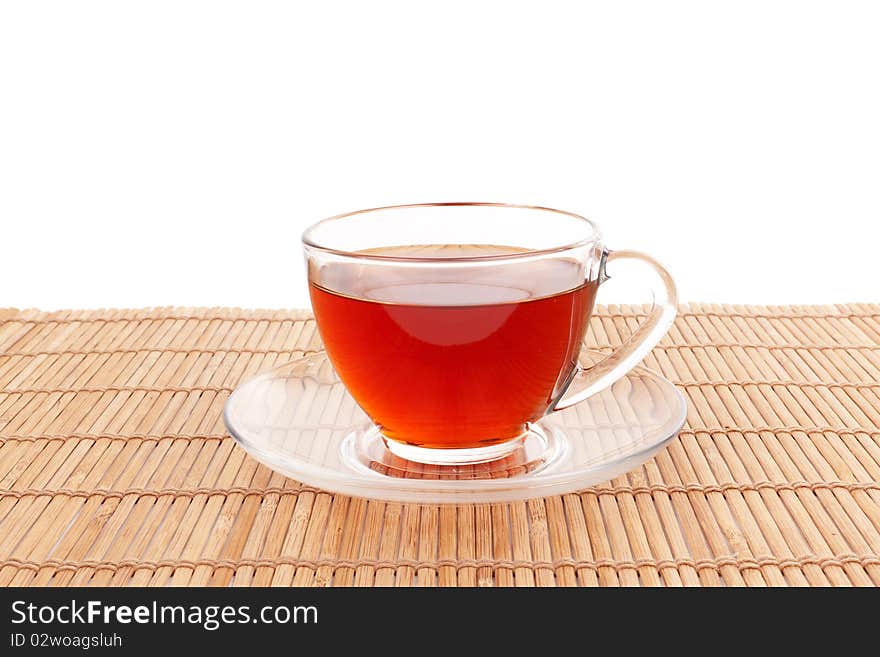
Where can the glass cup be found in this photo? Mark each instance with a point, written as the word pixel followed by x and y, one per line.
pixel 456 326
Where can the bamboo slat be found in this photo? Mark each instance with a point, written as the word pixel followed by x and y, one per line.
pixel 116 469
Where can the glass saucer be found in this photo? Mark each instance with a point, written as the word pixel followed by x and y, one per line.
pixel 299 419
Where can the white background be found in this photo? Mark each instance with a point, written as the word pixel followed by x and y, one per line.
pixel 157 153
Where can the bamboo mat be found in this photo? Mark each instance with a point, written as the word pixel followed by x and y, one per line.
pixel 115 467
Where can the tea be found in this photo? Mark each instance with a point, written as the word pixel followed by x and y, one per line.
pixel 458 358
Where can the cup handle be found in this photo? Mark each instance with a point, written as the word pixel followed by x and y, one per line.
pixel 589 381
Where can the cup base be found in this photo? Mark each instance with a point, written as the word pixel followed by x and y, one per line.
pixel 454 456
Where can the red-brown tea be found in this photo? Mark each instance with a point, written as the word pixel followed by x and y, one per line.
pixel 457 360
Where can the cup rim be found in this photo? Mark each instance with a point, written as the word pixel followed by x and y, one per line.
pixel 310 243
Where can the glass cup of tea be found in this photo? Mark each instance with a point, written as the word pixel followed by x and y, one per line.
pixel 455 326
